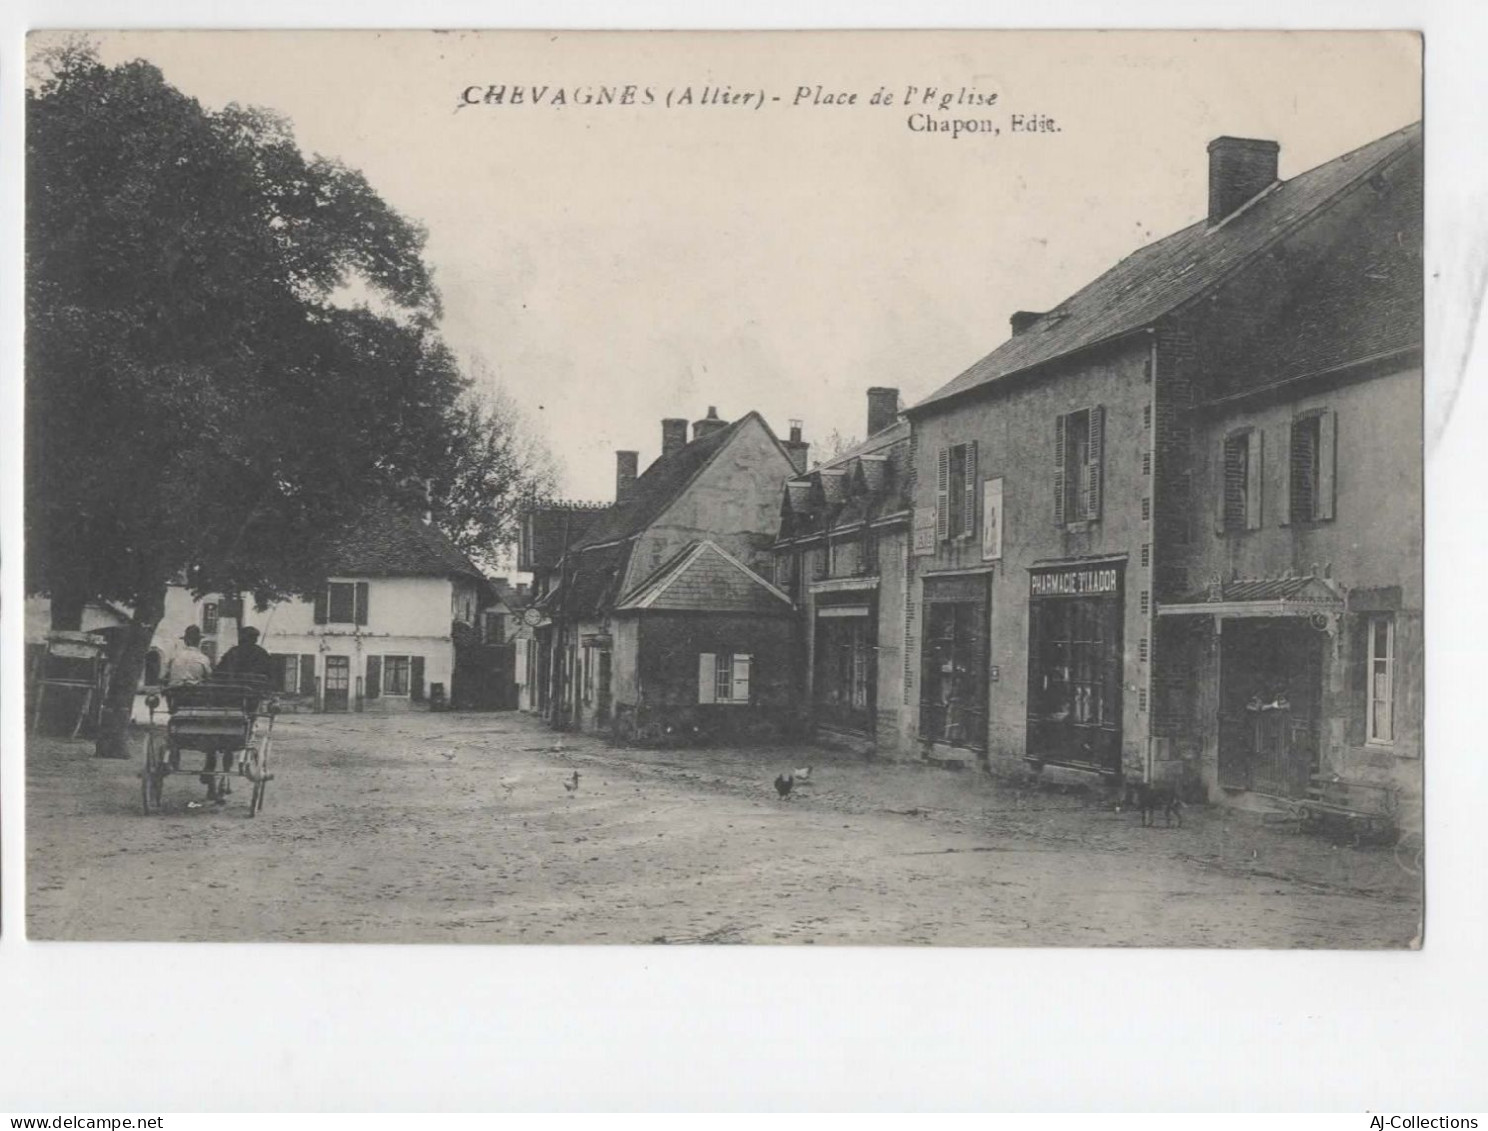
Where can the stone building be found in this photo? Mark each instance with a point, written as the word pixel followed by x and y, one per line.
pixel 841 553
pixel 1108 509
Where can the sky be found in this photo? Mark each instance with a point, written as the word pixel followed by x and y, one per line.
pixel 612 265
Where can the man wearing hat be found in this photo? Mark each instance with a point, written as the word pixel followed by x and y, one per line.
pixel 247 658
pixel 189 664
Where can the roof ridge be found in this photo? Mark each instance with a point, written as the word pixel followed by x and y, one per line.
pixel 1123 284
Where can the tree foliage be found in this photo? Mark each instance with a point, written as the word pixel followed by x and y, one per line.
pixel 200 399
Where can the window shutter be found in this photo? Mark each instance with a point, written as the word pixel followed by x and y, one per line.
pixel 969 513
pixel 740 691
pixel 307 675
pixel 707 677
pixel 1231 482
pixel 320 606
pixel 1093 468
pixel 416 678
pixel 276 670
pixel 942 495
pixel 374 676
pixel 1254 448
pixel 1327 468
pixel 1284 500
pixel 361 602
pixel 1059 430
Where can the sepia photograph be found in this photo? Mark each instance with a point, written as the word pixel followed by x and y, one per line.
pixel 828 488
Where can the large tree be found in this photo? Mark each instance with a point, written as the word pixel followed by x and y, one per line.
pixel 201 401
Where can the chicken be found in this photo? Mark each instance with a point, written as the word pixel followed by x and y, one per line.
pixel 783 784
pixel 572 786
pixel 802 775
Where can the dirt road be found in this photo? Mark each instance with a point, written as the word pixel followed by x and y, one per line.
pixel 457 828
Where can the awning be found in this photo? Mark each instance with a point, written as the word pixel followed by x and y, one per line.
pixel 1259 597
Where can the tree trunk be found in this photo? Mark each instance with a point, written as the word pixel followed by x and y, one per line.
pixel 118 703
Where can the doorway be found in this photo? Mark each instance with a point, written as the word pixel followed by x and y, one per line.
pixel 337 683
pixel 1270 699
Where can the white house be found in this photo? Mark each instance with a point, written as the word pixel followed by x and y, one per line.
pixel 384 634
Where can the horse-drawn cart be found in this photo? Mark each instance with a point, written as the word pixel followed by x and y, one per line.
pixel 229 719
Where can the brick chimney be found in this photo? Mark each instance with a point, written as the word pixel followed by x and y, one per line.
pixel 625 474
pixel 797 448
pixel 708 424
pixel 673 435
pixel 1022 319
pixel 883 409
pixel 1239 169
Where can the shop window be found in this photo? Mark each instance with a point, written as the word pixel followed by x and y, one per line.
pixel 1380 723
pixel 723 677
pixel 1078 456
pixel 1310 468
pixel 955 492
pixel 1240 505
pixel 953 657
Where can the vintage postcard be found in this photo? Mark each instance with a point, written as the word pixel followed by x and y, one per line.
pixel 895 488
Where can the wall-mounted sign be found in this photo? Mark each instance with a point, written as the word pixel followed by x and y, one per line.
pixel 1079 582
pixel 924 531
pixel 992 520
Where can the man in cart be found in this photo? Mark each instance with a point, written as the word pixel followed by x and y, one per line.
pixel 247 657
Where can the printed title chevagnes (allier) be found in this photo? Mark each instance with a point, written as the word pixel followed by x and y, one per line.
pixel 634 94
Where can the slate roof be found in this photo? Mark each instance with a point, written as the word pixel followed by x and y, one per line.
pixel 869 480
pixel 657 487
pixel 1164 275
pixel 388 542
pixel 704 577
pixel 548 523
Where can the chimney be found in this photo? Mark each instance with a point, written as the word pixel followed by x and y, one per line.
pixel 883 409
pixel 673 435
pixel 797 448
pixel 708 424
pixel 1239 169
pixel 625 474
pixel 1022 319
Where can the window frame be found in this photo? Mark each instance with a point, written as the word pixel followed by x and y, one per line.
pixel 209 618
pixel 956 494
pixel 389 666
pixel 1371 699
pixel 1249 442
pixel 722 670
pixel 1079 484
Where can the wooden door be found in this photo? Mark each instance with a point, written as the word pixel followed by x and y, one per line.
pixel 337 683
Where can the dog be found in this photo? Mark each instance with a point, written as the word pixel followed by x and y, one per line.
pixel 1150 797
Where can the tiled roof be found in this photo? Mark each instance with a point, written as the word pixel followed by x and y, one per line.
pixel 1164 275
pixel 388 542
pixel 704 577
pixel 658 487
pixel 592 580
pixel 870 480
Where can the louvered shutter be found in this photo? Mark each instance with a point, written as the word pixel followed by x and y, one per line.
pixel 707 677
pixel 943 495
pixel 416 678
pixel 1327 464
pixel 1060 425
pixel 968 514
pixel 361 602
pixel 1092 484
pixel 320 606
pixel 374 676
pixel 1284 499
pixel 1254 448
pixel 740 690
pixel 307 675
